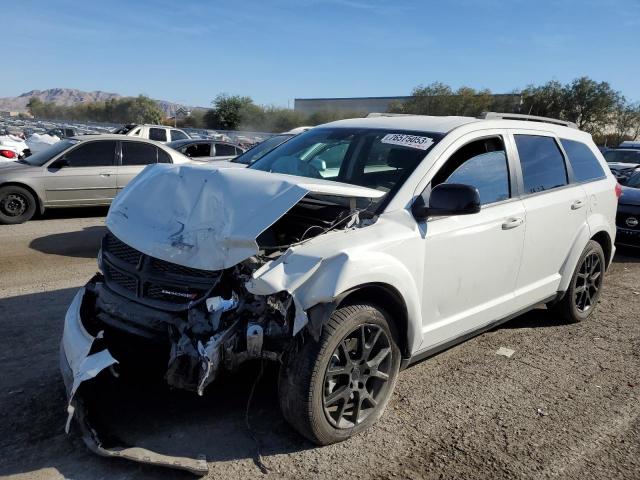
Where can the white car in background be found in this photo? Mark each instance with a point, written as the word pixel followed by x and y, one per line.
pixel 14 143
pixel 8 153
pixel 158 133
pixel 344 254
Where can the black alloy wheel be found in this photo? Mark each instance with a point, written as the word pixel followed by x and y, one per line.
pixel 588 282
pixel 356 376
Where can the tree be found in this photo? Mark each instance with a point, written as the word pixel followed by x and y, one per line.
pixel 627 122
pixel 142 110
pixel 590 104
pixel 434 99
pixel 226 113
pixel 35 107
pixel 546 100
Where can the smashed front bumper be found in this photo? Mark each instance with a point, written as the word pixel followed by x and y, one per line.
pixel 81 361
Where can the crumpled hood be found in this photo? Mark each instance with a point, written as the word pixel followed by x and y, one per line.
pixel 209 218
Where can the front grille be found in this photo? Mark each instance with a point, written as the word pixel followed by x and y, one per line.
pixel 621 220
pixel 123 280
pixel 162 266
pixel 152 281
pixel 121 250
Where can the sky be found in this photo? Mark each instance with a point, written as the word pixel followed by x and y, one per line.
pixel 189 51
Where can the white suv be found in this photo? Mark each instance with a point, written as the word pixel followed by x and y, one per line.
pixel 346 253
pixel 159 133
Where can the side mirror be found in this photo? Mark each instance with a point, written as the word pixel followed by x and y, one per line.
pixel 60 163
pixel 447 199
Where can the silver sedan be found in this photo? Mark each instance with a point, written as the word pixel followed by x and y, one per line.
pixel 76 172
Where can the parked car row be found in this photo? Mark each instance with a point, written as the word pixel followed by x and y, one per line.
pixel 80 171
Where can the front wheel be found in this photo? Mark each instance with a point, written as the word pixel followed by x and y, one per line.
pixel 585 288
pixel 339 386
pixel 17 205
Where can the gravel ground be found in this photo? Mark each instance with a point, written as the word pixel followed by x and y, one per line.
pixel 565 405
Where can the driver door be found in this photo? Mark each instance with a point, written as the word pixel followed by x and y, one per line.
pixel 472 261
pixel 85 175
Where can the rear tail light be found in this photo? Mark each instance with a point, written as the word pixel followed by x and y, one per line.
pixel 8 153
pixel 618 190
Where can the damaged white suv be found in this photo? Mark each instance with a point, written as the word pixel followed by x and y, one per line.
pixel 346 254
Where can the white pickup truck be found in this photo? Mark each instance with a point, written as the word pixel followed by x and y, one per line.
pixel 159 133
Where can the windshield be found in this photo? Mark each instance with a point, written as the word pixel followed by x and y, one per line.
pixel 261 149
pixel 623 156
pixel 374 158
pixel 634 180
pixel 42 157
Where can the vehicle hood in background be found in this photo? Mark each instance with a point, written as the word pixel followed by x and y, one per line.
pixel 630 196
pixel 209 218
pixel 621 165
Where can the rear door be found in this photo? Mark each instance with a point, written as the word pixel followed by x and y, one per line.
pixel 88 178
pixel 556 211
pixel 133 158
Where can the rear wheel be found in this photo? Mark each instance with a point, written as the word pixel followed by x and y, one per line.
pixel 17 205
pixel 337 387
pixel 585 288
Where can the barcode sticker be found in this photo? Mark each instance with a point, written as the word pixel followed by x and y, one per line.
pixel 412 141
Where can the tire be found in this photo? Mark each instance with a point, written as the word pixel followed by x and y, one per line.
pixel 321 404
pixel 581 298
pixel 17 205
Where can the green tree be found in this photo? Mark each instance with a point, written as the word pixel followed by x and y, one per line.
pixel 226 113
pixel 548 100
pixel 590 104
pixel 36 107
pixel 143 110
pixel 627 122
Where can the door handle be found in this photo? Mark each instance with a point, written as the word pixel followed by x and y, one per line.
pixel 577 204
pixel 105 174
pixel 512 223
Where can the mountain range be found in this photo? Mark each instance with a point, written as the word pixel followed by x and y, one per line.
pixel 71 96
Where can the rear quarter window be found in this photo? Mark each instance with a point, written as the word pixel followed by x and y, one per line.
pixel 584 163
pixel 158 134
pixel 542 163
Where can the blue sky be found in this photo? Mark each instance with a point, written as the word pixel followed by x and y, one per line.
pixel 188 51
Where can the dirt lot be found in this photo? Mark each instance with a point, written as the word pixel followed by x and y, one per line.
pixel 565 405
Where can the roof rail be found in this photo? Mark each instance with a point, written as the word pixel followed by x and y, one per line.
pixel 529 118
pixel 378 114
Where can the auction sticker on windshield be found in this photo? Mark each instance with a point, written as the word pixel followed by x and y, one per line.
pixel 413 141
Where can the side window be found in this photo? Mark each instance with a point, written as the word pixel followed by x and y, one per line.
pixel 163 157
pixel 198 150
pixel 94 154
pixel 136 132
pixel 584 163
pixel 224 150
pixel 239 151
pixel 138 153
pixel 482 164
pixel 542 163
pixel 178 135
pixel 159 134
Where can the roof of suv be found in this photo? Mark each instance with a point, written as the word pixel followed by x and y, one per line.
pixel 427 123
